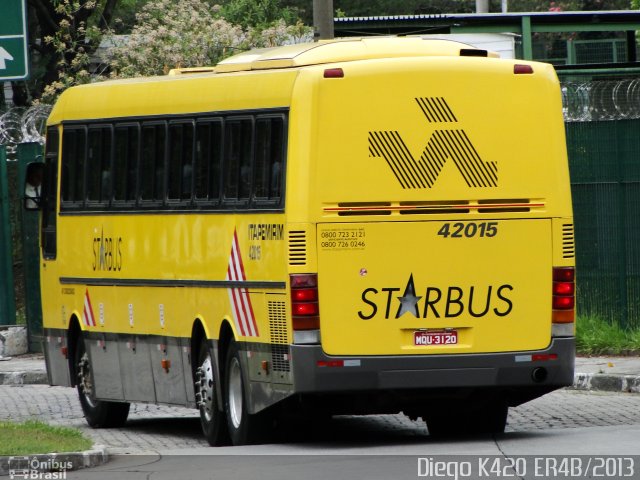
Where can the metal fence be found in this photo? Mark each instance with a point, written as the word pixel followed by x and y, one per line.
pixel 18 126
pixel 602 119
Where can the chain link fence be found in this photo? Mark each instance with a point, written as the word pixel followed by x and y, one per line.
pixel 19 125
pixel 602 120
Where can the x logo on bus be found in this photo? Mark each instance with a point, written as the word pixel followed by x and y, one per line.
pixel 444 144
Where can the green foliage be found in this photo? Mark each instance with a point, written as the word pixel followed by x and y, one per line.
pixel 33 437
pixel 195 33
pixel 595 336
pixel 256 13
pixel 125 15
pixel 169 35
pixel 70 43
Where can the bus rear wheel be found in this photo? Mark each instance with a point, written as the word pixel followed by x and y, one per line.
pixel 98 413
pixel 212 419
pixel 244 428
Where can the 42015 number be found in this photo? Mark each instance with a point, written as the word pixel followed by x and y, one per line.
pixel 468 230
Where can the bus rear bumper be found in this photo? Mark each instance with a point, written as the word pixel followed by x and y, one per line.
pixel 548 369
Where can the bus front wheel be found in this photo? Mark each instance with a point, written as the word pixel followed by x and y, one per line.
pixel 212 420
pixel 244 429
pixel 98 413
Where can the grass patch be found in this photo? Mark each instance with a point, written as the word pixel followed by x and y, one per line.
pixel 21 316
pixel 33 437
pixel 595 336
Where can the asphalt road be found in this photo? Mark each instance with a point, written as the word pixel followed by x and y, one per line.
pixel 165 442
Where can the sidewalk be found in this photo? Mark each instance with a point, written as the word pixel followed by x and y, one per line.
pixel 23 370
pixel 611 374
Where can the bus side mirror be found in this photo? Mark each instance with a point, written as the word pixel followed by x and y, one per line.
pixel 33 186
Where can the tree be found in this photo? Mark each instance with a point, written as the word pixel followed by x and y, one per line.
pixel 259 14
pixel 61 39
pixel 169 35
pixel 193 33
pixel 64 35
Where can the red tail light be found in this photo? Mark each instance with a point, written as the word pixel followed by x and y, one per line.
pixel 563 289
pixel 333 73
pixel 305 310
pixel 520 69
pixel 305 295
pixel 563 303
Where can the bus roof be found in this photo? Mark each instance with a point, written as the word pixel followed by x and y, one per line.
pixel 187 90
pixel 344 50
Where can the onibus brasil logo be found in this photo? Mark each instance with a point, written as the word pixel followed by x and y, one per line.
pixel 34 468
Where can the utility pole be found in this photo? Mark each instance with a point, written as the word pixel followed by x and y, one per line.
pixel 482 6
pixel 322 19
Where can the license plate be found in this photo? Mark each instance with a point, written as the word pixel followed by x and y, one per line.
pixel 435 338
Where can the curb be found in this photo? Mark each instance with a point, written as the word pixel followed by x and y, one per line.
pixel 33 377
pixel 606 382
pixel 581 381
pixel 52 463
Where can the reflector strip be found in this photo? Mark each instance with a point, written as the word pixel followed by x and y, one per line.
pixel 435 207
pixel 243 316
pixel 87 314
pixel 330 363
pixel 538 357
pixel 544 357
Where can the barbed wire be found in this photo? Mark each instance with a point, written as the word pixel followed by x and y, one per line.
pixel 601 100
pixel 21 125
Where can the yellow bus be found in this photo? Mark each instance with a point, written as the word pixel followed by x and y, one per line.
pixel 346 227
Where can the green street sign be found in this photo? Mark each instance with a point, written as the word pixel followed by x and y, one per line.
pixel 14 58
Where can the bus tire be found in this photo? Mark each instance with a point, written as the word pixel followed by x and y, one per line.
pixel 493 419
pixel 98 413
pixel 488 420
pixel 244 429
pixel 212 418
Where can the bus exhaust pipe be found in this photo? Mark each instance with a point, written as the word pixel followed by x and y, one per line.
pixel 539 374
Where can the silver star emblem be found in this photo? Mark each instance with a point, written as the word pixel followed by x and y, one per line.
pixel 409 301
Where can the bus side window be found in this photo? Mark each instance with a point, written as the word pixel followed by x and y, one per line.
pixel 180 162
pixel 125 163
pixel 269 161
pixel 152 163
pixel 99 166
pixel 208 160
pixel 50 195
pixel 237 160
pixel 74 153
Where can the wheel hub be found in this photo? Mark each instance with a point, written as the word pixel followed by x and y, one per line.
pixel 204 388
pixel 235 393
pixel 85 380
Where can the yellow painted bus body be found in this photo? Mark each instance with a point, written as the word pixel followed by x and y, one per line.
pixel 427 189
